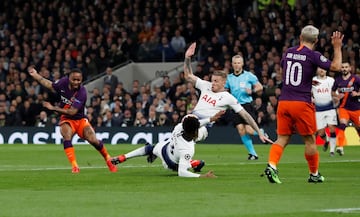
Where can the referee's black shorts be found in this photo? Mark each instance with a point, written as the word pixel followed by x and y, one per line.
pixel 238 119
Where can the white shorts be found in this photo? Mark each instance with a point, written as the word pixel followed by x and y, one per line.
pixel 158 152
pixel 325 118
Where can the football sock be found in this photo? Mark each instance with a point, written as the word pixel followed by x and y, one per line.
pixel 70 153
pixel 275 154
pixel 341 135
pixel 313 162
pixel 246 139
pixel 103 151
pixel 136 153
pixel 332 142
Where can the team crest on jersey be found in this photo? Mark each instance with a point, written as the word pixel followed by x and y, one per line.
pixel 323 59
pixel 187 157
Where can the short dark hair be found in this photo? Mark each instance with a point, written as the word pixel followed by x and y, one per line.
pixel 75 70
pixel 191 124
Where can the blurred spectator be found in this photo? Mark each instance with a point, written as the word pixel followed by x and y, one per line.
pixel 163 120
pixel 117 116
pixel 166 51
pixel 128 120
pixel 111 80
pixel 13 117
pixel 27 114
pixel 43 120
pixel 147 31
pixel 178 44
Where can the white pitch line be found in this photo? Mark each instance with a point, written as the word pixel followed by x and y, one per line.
pixel 342 210
pixel 27 168
pixel 11 168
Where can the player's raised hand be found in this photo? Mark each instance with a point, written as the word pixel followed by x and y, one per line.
pixel 32 71
pixel 190 51
pixel 337 38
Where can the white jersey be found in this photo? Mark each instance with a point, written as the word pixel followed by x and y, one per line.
pixel 176 152
pixel 325 111
pixel 322 93
pixel 210 103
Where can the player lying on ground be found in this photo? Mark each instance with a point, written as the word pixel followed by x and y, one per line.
pixel 176 153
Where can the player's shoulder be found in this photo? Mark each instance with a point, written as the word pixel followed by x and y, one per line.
pixel 329 78
pixel 357 77
pixel 226 95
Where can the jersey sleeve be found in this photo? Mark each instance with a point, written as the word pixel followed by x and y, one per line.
pixel 321 60
pixel 233 102
pixel 59 83
pixel 227 84
pixel 184 166
pixel 253 79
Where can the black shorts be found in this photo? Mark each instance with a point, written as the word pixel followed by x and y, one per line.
pixel 238 119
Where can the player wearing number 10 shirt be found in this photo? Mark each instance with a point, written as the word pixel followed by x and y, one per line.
pixel 296 112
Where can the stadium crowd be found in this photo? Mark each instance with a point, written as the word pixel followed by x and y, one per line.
pixel 57 36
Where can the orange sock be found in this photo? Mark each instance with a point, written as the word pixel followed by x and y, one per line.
pixel 275 154
pixel 101 148
pixel 313 162
pixel 70 154
pixel 104 153
pixel 341 138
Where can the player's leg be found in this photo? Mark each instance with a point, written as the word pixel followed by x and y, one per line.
pixel 332 122
pixel 142 151
pixel 312 158
pixel 247 141
pixel 321 124
pixel 284 131
pixel 242 127
pixel 86 131
pixel 354 117
pixel 160 151
pixel 344 118
pixel 305 122
pixel 67 132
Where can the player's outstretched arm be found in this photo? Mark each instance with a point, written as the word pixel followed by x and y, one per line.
pixel 336 41
pixel 188 73
pixel 247 117
pixel 43 81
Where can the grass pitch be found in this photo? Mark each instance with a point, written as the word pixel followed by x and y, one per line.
pixel 36 181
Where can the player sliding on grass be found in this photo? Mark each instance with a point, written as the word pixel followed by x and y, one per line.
pixel 296 112
pixel 73 120
pixel 176 153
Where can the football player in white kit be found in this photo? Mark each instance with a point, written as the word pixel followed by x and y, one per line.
pixel 214 97
pixel 325 111
pixel 176 153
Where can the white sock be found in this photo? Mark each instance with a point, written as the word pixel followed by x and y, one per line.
pixel 332 142
pixel 136 153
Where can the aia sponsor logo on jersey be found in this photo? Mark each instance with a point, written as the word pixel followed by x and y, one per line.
pixel 209 99
pixel 323 90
